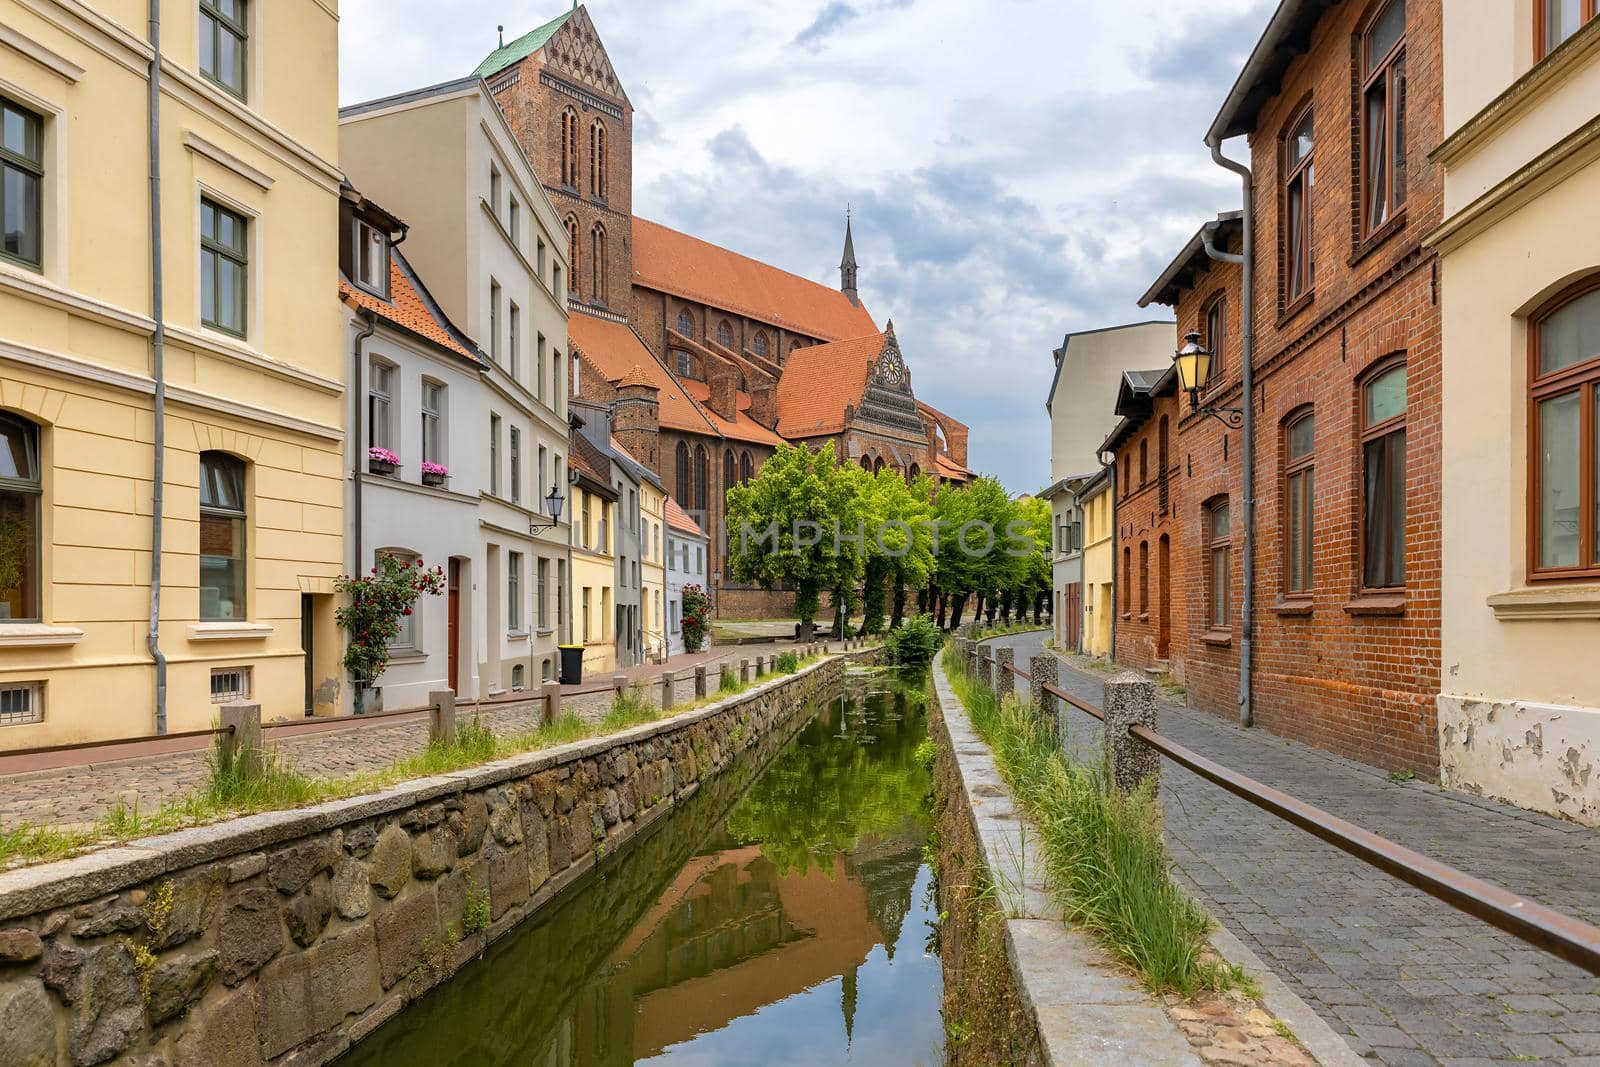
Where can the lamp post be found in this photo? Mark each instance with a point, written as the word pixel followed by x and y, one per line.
pixel 553 504
pixel 1193 363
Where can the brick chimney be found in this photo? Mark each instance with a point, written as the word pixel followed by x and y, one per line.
pixel 636 418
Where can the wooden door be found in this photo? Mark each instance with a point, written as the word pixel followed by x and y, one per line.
pixel 1074 616
pixel 453 628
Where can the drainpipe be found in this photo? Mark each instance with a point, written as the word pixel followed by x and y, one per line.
pixel 358 422
pixel 158 344
pixel 1111 467
pixel 1246 260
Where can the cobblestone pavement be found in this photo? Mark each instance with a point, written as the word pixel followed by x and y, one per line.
pixel 83 794
pixel 1406 979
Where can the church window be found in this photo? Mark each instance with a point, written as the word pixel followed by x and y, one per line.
pixel 572 252
pixel 746 469
pixel 685 364
pixel 598 261
pixel 569 148
pixel 597 159
pixel 724 333
pixel 761 345
pixel 730 472
pixel 685 324
pixel 702 478
pixel 681 472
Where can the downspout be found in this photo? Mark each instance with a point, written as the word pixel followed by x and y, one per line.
pixel 158 344
pixel 1246 260
pixel 1111 468
pixel 357 451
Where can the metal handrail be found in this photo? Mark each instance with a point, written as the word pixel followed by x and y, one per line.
pixel 1561 935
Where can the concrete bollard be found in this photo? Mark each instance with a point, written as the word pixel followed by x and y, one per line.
pixel 725 675
pixel 1005 683
pixel 1130 701
pixel 619 686
pixel 744 671
pixel 668 690
pixel 1042 672
pixel 552 701
pixel 442 717
pixel 242 720
pixel 700 682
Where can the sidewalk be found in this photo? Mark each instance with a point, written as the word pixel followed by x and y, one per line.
pixel 1406 979
pixel 86 789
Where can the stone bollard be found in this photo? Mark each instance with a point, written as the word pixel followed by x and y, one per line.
pixel 725 676
pixel 744 671
pixel 1042 672
pixel 242 720
pixel 442 717
pixel 1005 683
pixel 619 686
pixel 1130 701
pixel 668 690
pixel 700 682
pixel 552 701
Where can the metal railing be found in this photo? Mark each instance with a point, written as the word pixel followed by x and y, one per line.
pixel 1561 935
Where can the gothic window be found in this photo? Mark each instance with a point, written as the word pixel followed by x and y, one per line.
pixel 730 471
pixel 572 253
pixel 569 148
pixel 913 473
pixel 724 334
pixel 685 363
pixel 598 261
pixel 597 159
pixel 866 464
pixel 746 469
pixel 1383 116
pixel 685 323
pixel 680 472
pixel 761 346
pixel 702 478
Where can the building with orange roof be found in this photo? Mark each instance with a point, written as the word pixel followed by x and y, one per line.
pixel 686 565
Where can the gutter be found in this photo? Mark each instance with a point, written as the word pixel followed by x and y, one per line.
pixel 1246 261
pixel 158 344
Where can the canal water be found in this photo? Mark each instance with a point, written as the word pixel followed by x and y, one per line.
pixel 783 915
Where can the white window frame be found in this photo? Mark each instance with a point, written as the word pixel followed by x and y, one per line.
pixel 15 694
pixel 368 235
pixel 239 692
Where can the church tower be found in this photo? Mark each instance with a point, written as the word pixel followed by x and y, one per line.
pixel 847 266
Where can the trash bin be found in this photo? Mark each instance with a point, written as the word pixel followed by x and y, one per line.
pixel 571 664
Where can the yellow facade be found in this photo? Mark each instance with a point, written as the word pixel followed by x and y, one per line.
pixel 77 365
pixel 1099 569
pixel 594 578
pixel 653 570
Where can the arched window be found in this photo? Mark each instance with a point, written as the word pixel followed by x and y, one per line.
pixel 1219 566
pixel 222 537
pixel 598 260
pixel 913 473
pixel 1564 377
pixel 1144 578
pixel 573 258
pixel 702 478
pixel 1299 491
pixel 21 489
pixel 1163 444
pixel 1383 478
pixel 761 345
pixel 685 323
pixel 730 470
pixel 1127 581
pixel 1299 267
pixel 597 159
pixel 681 486
pixel 877 465
pixel 866 464
pixel 746 469
pixel 724 334
pixel 569 148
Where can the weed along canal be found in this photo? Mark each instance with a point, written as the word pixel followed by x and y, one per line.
pixel 782 915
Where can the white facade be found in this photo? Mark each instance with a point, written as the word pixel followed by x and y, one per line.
pixel 686 565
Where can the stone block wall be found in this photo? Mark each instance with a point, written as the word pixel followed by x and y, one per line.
pixel 285 937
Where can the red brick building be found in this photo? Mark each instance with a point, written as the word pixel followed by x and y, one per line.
pixel 1341 105
pixel 709 333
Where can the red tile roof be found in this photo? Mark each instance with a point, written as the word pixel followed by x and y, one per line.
pixel 617 352
pixel 679 519
pixel 818 382
pixel 673 262
pixel 410 307
pixel 949 468
pixel 744 428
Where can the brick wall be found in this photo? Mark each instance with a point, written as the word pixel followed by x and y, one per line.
pixel 1147 525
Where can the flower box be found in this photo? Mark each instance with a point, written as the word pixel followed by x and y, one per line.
pixel 382 461
pixel 378 466
pixel 435 474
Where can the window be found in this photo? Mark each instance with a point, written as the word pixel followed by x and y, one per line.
pixel 514 222
pixel 380 405
pixel 1144 463
pixel 494 320
pixel 538 366
pixel 20 498
pixel 223 268
pixel 538 256
pixel 1556 20
pixel 730 471
pixel 1127 581
pixel 372 259
pixel 222 537
pixel 494 455
pixel 585 530
pixel 406 636
pixel 1219 571
pixel 433 401
pixel 21 703
pixel 514 591
pixel 762 347
pixel 539 502
pixel 572 251
pixel 1127 471
pixel 1299 267
pixel 1565 412
pixel 543 594
pixel 224 34
pixel 516 465
pixel 724 334
pixel 702 478
pixel 1217 336
pixel 1383 459
pixel 746 468
pixel 561 593
pixel 21 184
pixel 514 323
pixel 555 282
pixel 597 259
pixel 1299 493
pixel 494 189
pixel 1383 116
pixel 1144 578
pixel 569 148
pixel 602 541
pixel 680 482
pixel 597 159
pixel 685 364
pixel 685 324
pixel 519 677
pixel 588 594
pixel 229 684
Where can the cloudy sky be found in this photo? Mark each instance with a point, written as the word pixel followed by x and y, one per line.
pixel 1018 169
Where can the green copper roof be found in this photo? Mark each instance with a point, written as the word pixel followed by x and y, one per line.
pixel 521 48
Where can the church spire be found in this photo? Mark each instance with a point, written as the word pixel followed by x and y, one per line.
pixel 847 266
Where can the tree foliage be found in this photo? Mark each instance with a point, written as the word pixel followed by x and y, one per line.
pixel 374 605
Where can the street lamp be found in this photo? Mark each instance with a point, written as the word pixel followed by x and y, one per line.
pixel 1193 363
pixel 553 502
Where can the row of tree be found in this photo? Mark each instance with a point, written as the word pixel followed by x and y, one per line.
pixel 809 523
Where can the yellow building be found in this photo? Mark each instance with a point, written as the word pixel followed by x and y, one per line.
pixel 248 354
pixel 653 569
pixel 1099 563
pixel 1519 702
pixel 594 559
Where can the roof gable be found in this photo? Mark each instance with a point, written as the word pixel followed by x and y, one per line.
pixel 819 382
pixel 575 52
pixel 521 48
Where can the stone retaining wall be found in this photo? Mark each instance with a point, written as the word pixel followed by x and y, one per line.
pixel 284 937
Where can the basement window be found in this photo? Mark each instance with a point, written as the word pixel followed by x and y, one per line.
pixel 229 684
pixel 21 703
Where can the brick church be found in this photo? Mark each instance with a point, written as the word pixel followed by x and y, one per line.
pixel 711 359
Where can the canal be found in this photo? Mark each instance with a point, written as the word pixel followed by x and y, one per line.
pixel 782 915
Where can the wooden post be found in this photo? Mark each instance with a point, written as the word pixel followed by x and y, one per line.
pixel 442 717
pixel 242 720
pixel 700 682
pixel 552 701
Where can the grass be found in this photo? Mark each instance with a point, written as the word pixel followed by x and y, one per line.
pixel 1102 851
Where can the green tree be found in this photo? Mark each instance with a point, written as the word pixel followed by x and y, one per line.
pixel 899 548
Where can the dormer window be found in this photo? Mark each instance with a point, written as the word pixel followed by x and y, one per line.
pixel 372 259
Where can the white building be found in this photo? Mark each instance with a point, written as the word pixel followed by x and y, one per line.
pixel 686 565
pixel 489 242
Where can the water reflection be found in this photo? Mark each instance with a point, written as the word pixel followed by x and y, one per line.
pixel 783 926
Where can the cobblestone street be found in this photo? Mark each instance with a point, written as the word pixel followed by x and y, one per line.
pixel 1407 980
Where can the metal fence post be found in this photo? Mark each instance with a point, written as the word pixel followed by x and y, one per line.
pixel 1005 683
pixel 1042 672
pixel 552 701
pixel 242 720
pixel 668 690
pixel 700 682
pixel 442 717
pixel 1130 701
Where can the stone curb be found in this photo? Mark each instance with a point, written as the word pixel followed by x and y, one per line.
pixel 29 890
pixel 1087 1008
